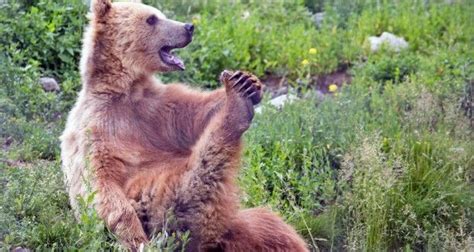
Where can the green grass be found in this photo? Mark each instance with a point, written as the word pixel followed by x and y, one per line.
pixel 385 164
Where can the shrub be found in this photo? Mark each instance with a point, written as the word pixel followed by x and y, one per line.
pixel 390 66
pixel 237 38
pixel 48 32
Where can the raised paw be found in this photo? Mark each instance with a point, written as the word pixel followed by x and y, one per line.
pixel 244 84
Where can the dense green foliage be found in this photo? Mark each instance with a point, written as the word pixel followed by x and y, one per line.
pixel 386 163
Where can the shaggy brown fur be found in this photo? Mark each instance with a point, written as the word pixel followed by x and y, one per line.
pixel 148 149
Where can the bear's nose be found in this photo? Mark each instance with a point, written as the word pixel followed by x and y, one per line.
pixel 189 28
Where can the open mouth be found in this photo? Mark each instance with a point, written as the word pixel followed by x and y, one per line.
pixel 169 58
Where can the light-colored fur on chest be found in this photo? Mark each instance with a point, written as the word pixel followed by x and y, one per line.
pixel 131 136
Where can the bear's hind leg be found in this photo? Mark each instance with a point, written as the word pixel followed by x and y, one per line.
pixel 259 229
pixel 152 194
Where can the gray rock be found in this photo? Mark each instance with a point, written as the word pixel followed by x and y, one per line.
pixel 49 84
pixel 318 18
pixel 281 91
pixel 278 102
pixel 391 41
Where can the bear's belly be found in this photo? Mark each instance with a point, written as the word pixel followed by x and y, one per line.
pixel 135 158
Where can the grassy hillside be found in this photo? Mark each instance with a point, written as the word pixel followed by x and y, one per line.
pixel 385 163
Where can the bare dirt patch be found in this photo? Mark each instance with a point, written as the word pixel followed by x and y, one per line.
pixel 276 85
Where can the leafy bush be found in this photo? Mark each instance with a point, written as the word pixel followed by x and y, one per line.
pixel 29 41
pixel 48 32
pixel 248 43
pixel 390 66
pixel 32 124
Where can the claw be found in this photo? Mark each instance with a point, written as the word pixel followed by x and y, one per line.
pixel 243 78
pixel 236 75
pixel 255 98
pixel 252 94
pixel 247 84
pixel 249 89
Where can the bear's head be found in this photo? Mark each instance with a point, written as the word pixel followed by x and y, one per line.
pixel 136 37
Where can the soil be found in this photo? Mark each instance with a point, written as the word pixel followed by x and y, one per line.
pixel 278 85
pixel 339 78
pixel 275 85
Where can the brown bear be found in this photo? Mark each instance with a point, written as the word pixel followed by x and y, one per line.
pixel 148 149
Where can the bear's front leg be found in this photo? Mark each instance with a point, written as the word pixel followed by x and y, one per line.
pixel 207 199
pixel 119 215
pixel 112 204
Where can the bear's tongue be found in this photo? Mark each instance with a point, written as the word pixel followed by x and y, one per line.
pixel 170 59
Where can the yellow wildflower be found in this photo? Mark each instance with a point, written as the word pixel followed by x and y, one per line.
pixel 332 88
pixel 196 20
pixel 313 51
pixel 305 62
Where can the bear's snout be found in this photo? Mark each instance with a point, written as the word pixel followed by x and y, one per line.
pixel 189 28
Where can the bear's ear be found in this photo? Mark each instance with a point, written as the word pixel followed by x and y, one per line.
pixel 101 7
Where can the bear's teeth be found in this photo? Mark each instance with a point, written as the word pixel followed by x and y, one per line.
pixel 171 59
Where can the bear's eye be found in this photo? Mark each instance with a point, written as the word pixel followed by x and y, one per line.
pixel 152 20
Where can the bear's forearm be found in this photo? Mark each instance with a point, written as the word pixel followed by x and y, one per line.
pixel 190 110
pixel 207 108
pixel 119 215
